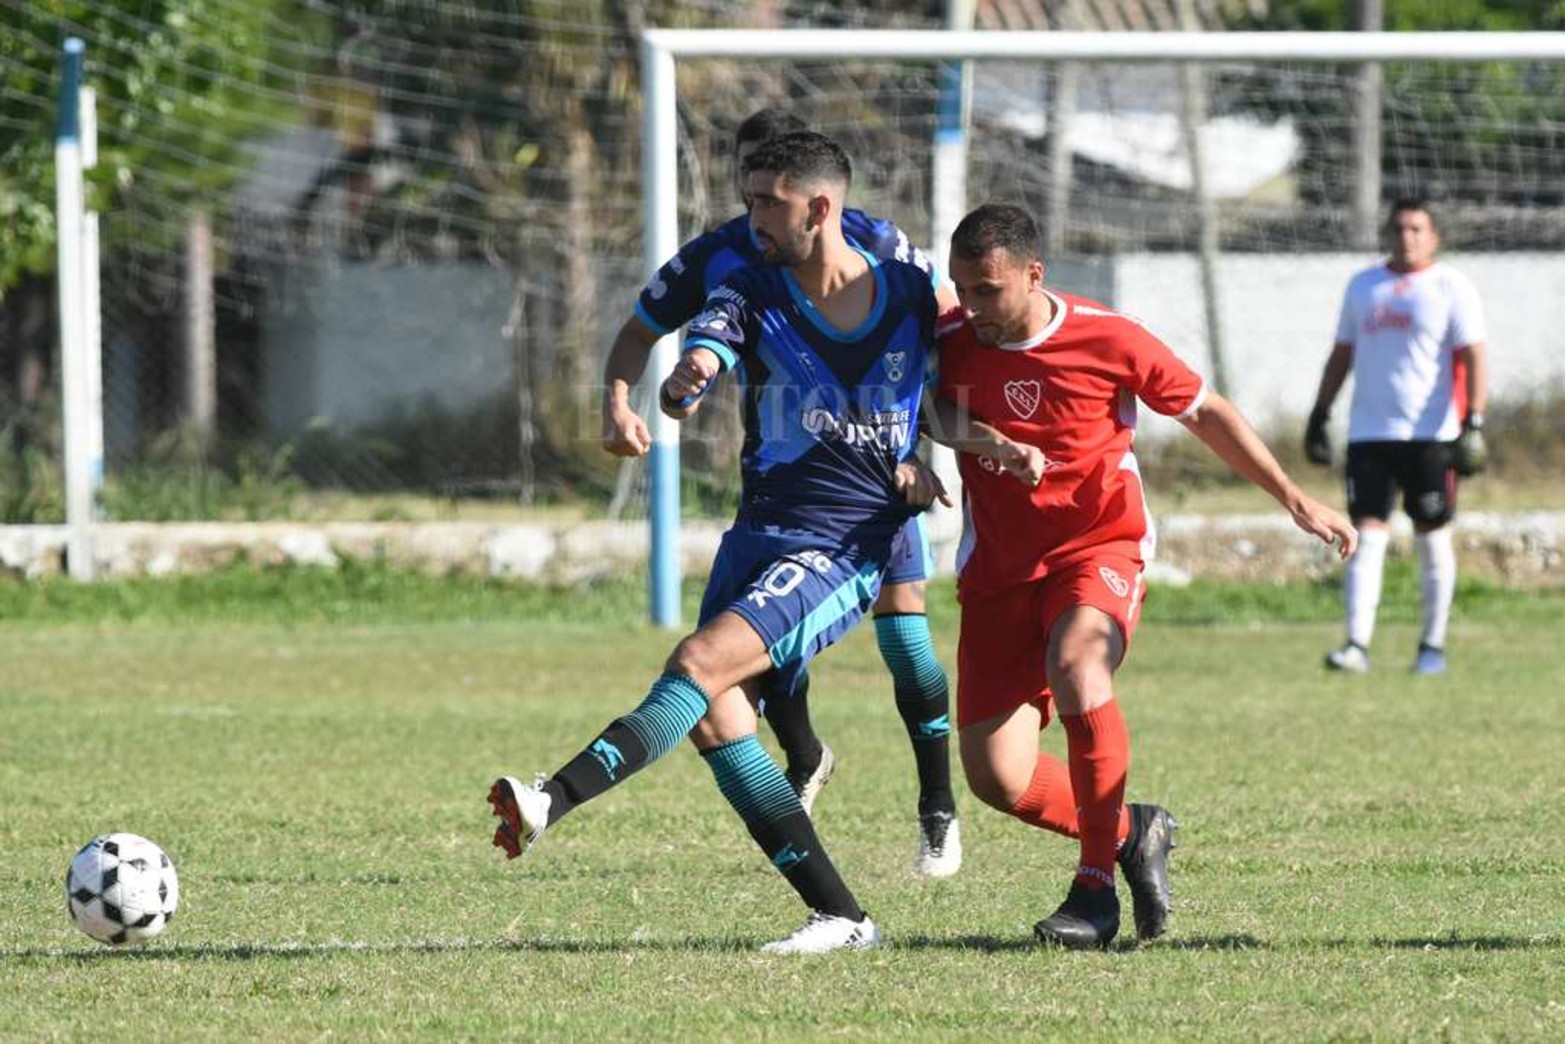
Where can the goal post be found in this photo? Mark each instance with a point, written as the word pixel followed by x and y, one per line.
pixel 662 49
pixel 80 321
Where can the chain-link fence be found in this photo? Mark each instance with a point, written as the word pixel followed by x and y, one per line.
pixel 416 226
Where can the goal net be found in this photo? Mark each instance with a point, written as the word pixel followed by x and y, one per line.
pixel 1224 200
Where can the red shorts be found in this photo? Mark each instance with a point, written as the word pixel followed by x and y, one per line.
pixel 1001 659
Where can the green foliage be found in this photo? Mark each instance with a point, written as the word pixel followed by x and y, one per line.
pixel 182 84
pixel 174 482
pixel 1498 127
pixel 1413 15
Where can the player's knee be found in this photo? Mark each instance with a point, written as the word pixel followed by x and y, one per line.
pixel 698 658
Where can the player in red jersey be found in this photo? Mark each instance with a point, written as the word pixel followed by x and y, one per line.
pixel 1050 577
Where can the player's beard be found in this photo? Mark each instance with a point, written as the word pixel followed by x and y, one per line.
pixel 785 252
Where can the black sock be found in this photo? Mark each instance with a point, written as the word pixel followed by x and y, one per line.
pixel 667 714
pixel 757 790
pixel 789 717
pixel 923 701
pixel 613 757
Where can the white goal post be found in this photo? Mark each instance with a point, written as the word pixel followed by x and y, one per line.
pixel 662 48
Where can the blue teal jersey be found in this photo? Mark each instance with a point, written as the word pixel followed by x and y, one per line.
pixel 675 294
pixel 828 414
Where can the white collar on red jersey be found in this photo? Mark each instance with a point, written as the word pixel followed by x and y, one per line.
pixel 1055 321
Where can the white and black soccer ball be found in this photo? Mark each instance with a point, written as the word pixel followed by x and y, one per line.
pixel 121 888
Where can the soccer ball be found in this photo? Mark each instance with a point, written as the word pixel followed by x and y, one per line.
pixel 121 888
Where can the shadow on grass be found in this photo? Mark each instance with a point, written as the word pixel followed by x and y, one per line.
pixel 1463 942
pixel 251 951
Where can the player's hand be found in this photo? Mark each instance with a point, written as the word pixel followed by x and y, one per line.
pixel 920 486
pixel 1470 451
pixel 625 434
pixel 1025 462
pixel 692 376
pixel 1330 526
pixel 1317 444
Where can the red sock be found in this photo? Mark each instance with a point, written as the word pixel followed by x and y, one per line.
pixel 1099 757
pixel 1050 804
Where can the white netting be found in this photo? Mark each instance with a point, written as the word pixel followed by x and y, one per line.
pixel 426 218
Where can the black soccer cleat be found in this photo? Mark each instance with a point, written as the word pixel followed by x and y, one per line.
pixel 1088 919
pixel 1143 859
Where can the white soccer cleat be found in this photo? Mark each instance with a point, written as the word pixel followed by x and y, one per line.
pixel 823 933
pixel 939 845
pixel 812 787
pixel 523 812
pixel 1352 658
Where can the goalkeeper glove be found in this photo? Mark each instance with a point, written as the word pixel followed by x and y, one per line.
pixel 1317 446
pixel 1470 453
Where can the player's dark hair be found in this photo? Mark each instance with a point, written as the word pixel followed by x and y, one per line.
pixel 803 157
pixel 994 226
pixel 1413 205
pixel 766 124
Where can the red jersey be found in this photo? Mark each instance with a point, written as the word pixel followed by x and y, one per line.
pixel 1070 391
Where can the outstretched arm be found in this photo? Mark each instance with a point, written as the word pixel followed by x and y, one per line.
pixel 952 426
pixel 1225 431
pixel 625 433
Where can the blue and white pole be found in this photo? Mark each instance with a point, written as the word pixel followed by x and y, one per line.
pixel 660 185
pixel 948 203
pixel 75 149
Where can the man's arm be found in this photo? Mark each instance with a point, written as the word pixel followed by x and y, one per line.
pixel 625 434
pixel 681 394
pixel 1317 447
pixel 1219 424
pixel 1477 377
pixel 1338 365
pixel 1472 450
pixel 952 426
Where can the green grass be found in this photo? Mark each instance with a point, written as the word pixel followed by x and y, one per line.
pixel 1375 857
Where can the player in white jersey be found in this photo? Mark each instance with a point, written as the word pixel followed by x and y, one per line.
pixel 1412 333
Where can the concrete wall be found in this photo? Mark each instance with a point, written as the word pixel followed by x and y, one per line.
pixel 1279 316
pixel 348 343
pixel 1525 549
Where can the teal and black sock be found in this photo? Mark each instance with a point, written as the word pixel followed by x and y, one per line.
pixel 629 744
pixel 923 701
pixel 758 791
pixel 789 717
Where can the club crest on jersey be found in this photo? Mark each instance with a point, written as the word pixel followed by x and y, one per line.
pixel 1023 397
pixel 895 365
pixel 1118 584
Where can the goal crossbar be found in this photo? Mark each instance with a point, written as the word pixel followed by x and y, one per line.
pixel 661 47
pixel 948 45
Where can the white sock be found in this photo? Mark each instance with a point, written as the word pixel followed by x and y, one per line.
pixel 1436 581
pixel 1362 585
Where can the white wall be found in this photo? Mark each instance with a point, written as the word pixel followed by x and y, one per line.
pixel 347 342
pixel 1280 313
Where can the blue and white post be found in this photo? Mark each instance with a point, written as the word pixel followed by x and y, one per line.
pixel 948 204
pixel 75 150
pixel 660 186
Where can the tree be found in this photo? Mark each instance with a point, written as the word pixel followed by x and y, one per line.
pixel 1486 139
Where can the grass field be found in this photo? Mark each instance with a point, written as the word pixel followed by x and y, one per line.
pixel 1376 857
